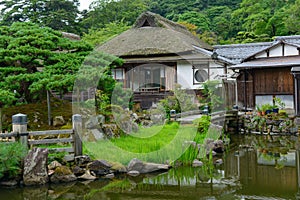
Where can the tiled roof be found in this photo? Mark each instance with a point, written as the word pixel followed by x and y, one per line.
pixel 293 39
pixel 238 52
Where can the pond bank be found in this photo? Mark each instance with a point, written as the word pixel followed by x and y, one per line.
pixel 243 174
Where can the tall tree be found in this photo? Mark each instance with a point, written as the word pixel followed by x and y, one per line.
pixel 104 12
pixel 98 36
pixel 58 14
pixel 29 53
pixel 6 99
pixel 261 16
pixel 220 21
pixel 196 18
pixel 292 21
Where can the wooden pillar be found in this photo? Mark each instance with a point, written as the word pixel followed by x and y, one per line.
pixel 296 73
pixel 245 90
pixel 77 132
pixel 19 125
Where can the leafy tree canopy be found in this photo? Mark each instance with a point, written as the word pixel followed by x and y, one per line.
pixel 29 54
pixel 104 12
pixel 98 36
pixel 58 14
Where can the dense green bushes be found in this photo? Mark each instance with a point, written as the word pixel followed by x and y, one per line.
pixel 11 156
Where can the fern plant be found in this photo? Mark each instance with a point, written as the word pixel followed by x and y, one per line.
pixel 11 156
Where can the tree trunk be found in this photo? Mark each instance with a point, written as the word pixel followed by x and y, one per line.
pixel 49 107
pixel 0 119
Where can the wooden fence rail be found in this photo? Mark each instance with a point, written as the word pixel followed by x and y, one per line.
pixel 21 134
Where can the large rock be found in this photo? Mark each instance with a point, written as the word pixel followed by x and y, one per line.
pixel 117 167
pixel 214 145
pixel 197 163
pixel 99 167
pixel 111 130
pixel 35 167
pixel 59 121
pixel 94 122
pixel 87 176
pixel 93 135
pixel 144 167
pixel 128 126
pixel 63 174
pixel 133 173
pixel 78 171
pixel 53 165
pixel 82 161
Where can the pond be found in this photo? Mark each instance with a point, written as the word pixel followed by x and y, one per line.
pixel 255 167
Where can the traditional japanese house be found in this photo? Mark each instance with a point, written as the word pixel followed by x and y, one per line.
pixel 265 70
pixel 158 54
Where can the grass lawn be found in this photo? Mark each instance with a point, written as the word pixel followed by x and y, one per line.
pixel 160 144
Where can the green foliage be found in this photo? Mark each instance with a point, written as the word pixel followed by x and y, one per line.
pixel 263 17
pixel 122 96
pixel 105 12
pixel 211 94
pixel 196 18
pixel 225 19
pixel 181 101
pixel 148 144
pixel 6 97
pixel 11 155
pixel 292 18
pixel 38 58
pixel 208 166
pixel 278 102
pixel 58 14
pixel 266 107
pixel 248 37
pixel 202 124
pixel 101 35
pixel 192 152
pixel 57 156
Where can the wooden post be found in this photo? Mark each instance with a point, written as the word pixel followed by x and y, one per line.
pixel 77 132
pixel 19 125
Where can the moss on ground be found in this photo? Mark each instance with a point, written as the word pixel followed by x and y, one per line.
pixel 37 114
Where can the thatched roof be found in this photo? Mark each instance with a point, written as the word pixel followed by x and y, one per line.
pixel 151 35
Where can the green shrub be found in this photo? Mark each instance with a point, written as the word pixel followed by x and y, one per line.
pixel 56 156
pixel 202 124
pixel 11 156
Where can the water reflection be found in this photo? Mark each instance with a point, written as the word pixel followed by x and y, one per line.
pixel 266 166
pixel 257 167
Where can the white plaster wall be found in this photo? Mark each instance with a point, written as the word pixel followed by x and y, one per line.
pixel 185 74
pixel 216 71
pixel 290 50
pixel 276 51
pixel 261 55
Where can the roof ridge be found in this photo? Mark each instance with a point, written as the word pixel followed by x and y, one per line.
pixel 244 45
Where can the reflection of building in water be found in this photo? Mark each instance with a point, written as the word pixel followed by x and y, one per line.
pixel 263 174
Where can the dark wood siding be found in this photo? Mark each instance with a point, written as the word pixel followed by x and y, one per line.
pixel 273 81
pixel 268 81
pixel 245 97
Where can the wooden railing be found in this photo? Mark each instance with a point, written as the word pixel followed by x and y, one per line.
pixel 20 134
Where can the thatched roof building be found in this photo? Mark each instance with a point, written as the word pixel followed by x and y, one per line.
pixel 153 35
